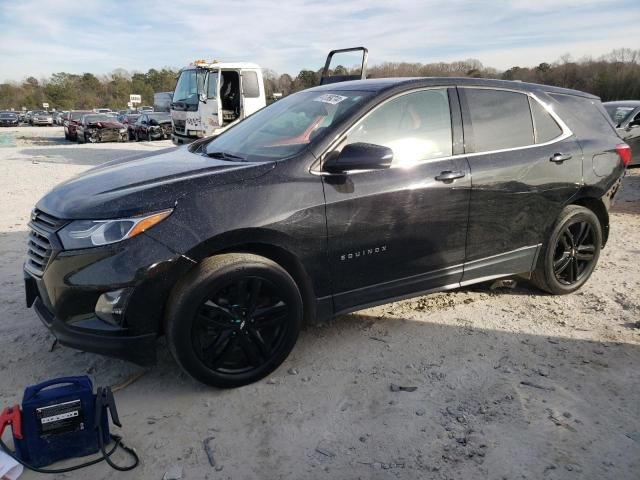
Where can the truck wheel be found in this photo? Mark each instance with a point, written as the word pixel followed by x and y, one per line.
pixel 233 319
pixel 571 252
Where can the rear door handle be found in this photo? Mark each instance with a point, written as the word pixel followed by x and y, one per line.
pixel 560 157
pixel 449 176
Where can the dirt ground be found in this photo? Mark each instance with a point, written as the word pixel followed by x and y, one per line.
pixel 511 383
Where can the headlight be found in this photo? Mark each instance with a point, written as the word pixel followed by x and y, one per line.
pixel 123 130
pixel 93 233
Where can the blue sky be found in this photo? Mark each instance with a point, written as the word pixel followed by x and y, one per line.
pixel 40 37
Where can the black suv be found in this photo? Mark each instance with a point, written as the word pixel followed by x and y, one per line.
pixel 330 200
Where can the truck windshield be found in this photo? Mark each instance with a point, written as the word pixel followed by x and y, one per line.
pixel 190 84
pixel 285 127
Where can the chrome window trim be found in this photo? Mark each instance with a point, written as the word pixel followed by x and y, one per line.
pixel 566 131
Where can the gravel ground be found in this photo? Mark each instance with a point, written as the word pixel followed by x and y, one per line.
pixel 510 383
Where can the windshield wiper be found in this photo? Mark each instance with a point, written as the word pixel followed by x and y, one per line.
pixel 225 156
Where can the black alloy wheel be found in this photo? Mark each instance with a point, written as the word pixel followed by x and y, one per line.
pixel 574 252
pixel 570 253
pixel 233 319
pixel 240 327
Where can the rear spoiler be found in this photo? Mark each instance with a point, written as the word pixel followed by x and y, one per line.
pixel 326 78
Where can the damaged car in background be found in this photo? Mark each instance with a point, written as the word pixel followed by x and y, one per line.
pixel 96 128
pixel 152 126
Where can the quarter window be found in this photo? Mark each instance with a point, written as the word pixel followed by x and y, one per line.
pixel 416 126
pixel 545 127
pixel 496 120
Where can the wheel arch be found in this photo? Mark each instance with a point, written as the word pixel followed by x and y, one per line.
pixel 269 244
pixel 596 205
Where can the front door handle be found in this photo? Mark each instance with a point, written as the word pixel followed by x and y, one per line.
pixel 560 157
pixel 449 176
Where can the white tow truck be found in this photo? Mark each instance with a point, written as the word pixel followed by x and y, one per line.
pixel 212 96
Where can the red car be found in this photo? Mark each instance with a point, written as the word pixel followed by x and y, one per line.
pixel 129 121
pixel 70 122
pixel 152 126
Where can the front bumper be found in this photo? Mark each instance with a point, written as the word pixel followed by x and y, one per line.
pixel 182 139
pixel 140 349
pixel 65 296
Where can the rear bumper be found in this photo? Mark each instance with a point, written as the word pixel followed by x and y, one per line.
pixel 140 349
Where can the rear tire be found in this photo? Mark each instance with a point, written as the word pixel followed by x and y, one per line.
pixel 233 319
pixel 571 252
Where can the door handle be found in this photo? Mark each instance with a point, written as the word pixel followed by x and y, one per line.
pixel 560 157
pixel 449 176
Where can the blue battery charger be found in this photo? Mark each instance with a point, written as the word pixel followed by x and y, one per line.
pixel 59 422
pixel 60 419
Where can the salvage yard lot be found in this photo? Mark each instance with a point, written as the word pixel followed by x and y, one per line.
pixel 511 383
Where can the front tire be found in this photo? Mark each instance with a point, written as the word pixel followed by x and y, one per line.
pixel 571 252
pixel 233 319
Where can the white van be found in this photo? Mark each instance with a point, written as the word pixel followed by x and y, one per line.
pixel 210 97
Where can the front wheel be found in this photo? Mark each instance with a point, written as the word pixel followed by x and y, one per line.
pixel 233 319
pixel 571 252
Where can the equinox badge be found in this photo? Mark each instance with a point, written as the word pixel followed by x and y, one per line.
pixel 363 253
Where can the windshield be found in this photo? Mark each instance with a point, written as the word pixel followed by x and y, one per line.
pixel 619 113
pixel 190 84
pixel 8 115
pixel 158 117
pixel 98 118
pixel 287 126
pixel 76 115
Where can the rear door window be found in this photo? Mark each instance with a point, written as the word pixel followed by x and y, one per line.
pixel 545 127
pixel 496 120
pixel 416 126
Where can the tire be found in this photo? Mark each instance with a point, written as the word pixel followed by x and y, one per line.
pixel 570 253
pixel 66 136
pixel 233 319
pixel 79 139
pixel 136 138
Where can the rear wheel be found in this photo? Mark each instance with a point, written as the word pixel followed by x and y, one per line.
pixel 234 319
pixel 571 252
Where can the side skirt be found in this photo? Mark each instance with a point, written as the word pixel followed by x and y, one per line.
pixel 516 262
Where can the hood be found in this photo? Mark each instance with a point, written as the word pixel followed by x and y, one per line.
pixel 106 124
pixel 138 185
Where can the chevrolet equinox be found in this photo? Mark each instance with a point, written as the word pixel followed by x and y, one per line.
pixel 333 199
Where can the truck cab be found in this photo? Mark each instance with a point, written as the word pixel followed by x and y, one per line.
pixel 210 97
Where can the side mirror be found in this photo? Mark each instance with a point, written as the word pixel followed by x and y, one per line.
pixel 202 97
pixel 359 156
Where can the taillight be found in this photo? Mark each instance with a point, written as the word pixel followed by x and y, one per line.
pixel 624 152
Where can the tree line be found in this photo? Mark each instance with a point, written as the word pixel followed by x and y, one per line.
pixel 613 76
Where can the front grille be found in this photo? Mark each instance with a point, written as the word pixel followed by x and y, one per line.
pixel 179 125
pixel 39 251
